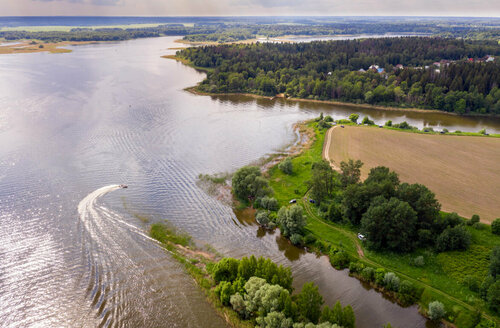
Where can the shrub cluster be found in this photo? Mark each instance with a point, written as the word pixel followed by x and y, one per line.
pixel 261 291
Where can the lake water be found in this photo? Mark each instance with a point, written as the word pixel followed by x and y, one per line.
pixel 73 251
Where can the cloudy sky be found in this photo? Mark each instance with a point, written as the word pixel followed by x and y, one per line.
pixel 490 8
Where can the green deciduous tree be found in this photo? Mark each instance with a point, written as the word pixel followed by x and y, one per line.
pixel 248 182
pixel 456 238
pixel 351 172
pixel 390 224
pixel 494 296
pixel 286 166
pixel 225 270
pixel 391 281
pixel 422 200
pixel 495 262
pixel 495 226
pixel 322 182
pixel 436 310
pixel 309 302
pixel 291 220
pixel 354 117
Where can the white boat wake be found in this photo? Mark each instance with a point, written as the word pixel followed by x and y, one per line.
pixel 108 246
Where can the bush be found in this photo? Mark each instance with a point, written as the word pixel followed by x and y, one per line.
pixel 262 218
pixel 418 261
pixel 408 293
pixel 334 212
pixel 286 166
pixel 328 118
pixel 495 262
pixel 238 304
pixel 356 267
pixel 436 310
pixel 388 123
pixel 324 125
pixel 485 323
pixel 353 118
pixel 340 260
pixel 368 274
pixel 224 290
pixel 291 220
pixel 366 120
pixel 474 219
pixel 225 270
pixel 269 203
pixel 343 121
pixel 485 286
pixel 379 276
pixel 456 238
pixel 493 298
pixel 391 281
pixel 495 226
pixel 482 131
pixel 472 283
pixel 296 239
pixel 309 239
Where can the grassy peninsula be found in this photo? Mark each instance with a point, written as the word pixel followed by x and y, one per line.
pixel 443 262
pixel 252 292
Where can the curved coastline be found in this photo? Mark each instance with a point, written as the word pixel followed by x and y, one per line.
pixel 194 90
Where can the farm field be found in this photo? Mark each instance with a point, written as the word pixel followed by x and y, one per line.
pixel 463 172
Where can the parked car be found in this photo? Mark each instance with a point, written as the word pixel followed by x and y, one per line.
pixel 293 201
pixel 361 237
pixel 312 201
pixel 342 126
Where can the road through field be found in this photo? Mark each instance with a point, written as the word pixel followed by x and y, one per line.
pixel 463 171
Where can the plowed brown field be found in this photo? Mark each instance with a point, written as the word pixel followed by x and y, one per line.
pixel 463 171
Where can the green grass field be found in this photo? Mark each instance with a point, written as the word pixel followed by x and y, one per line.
pixel 443 275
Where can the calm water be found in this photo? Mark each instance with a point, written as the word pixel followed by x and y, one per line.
pixel 72 126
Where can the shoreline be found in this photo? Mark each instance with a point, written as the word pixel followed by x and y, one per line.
pixel 33 46
pixel 195 261
pixel 193 89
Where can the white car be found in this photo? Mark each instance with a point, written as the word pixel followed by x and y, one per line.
pixel 293 201
pixel 361 237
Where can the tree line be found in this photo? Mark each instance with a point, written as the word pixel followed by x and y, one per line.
pixel 330 70
pixel 260 291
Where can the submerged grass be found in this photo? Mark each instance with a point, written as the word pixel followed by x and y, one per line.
pixel 197 264
pixel 166 233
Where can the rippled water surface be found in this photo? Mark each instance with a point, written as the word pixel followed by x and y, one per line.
pixel 72 249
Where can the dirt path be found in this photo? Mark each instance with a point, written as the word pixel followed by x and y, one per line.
pixel 362 256
pixel 326 149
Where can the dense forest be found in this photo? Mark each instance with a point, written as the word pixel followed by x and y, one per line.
pixel 433 73
pixel 231 29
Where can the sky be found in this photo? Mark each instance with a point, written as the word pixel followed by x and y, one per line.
pixel 489 8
